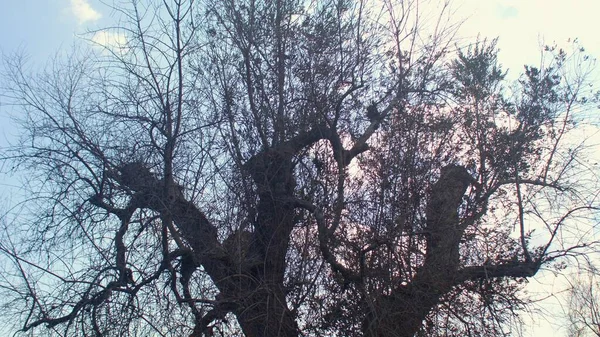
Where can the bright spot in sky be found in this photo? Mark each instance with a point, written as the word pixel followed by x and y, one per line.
pixel 524 26
pixel 110 40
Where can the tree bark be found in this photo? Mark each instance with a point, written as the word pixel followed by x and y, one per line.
pixel 263 310
pixel 253 286
pixel 401 314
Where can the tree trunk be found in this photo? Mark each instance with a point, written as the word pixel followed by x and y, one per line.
pixel 263 309
pixel 402 313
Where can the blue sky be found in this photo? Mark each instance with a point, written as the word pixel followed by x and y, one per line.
pixel 41 27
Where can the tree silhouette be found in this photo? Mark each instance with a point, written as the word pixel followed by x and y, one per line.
pixel 282 168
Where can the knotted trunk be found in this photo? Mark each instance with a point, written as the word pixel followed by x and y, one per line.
pixel 262 309
pixel 401 314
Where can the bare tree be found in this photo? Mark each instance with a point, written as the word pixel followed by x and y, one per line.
pixel 286 168
pixel 583 309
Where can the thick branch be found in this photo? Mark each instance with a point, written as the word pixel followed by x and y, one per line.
pixel 402 312
pixel 515 269
pixel 194 227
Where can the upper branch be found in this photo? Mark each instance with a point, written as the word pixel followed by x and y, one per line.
pixel 324 242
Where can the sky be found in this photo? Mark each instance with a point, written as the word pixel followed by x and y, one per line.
pixel 39 28
pixel 522 25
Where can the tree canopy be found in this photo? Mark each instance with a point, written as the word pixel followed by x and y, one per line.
pixel 291 168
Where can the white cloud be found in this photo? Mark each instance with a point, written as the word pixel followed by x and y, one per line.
pixel 83 11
